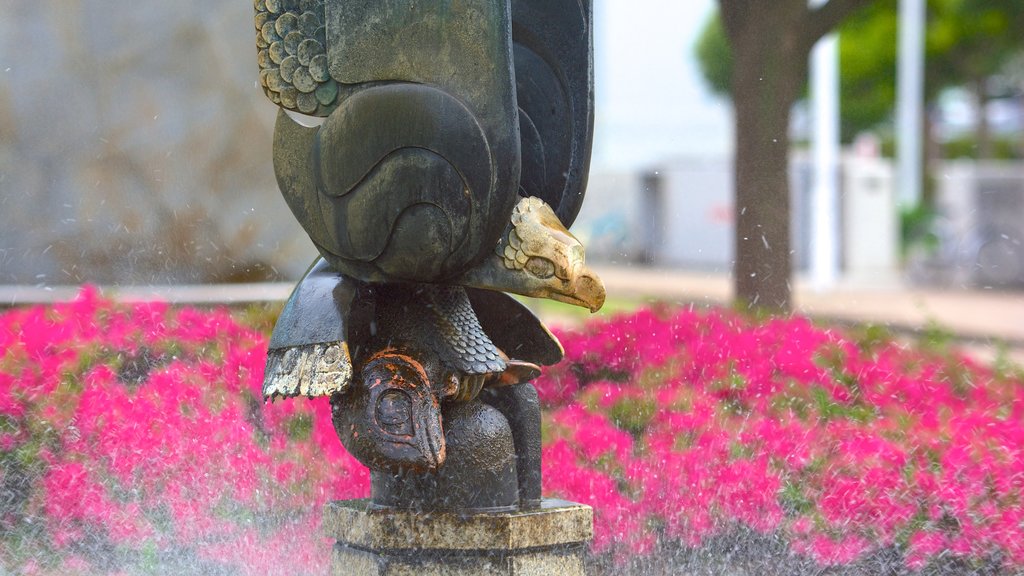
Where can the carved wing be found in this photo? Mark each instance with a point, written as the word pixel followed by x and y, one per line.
pixel 513 328
pixel 414 174
pixel 291 41
pixel 309 353
pixel 553 44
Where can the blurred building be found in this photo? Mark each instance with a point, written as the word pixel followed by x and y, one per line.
pixel 681 215
pixel 135 148
pixel 979 231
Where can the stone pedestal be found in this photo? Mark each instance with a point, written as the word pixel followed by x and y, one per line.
pixel 373 541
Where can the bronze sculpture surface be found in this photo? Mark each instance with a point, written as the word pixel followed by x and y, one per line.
pixel 451 159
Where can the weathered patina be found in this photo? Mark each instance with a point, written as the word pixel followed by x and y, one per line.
pixel 449 163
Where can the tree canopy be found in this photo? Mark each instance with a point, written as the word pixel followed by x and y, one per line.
pixel 966 42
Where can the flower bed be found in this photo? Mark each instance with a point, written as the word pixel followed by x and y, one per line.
pixel 132 439
pixel 678 426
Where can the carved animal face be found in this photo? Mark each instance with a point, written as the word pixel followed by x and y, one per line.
pixel 393 420
pixel 538 257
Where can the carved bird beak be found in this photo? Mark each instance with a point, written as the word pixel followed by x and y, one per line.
pixel 587 291
pixel 430 437
pixel 536 256
pixel 392 418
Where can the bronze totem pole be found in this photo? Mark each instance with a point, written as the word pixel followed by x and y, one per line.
pixel 451 157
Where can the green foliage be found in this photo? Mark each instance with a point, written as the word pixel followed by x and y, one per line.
pixel 966 41
pixel 916 227
pixel 966 146
pixel 299 427
pixel 867 64
pixel 261 317
pixel 1003 365
pixel 871 337
pixel 972 39
pixel 793 499
pixel 827 409
pixel 715 55
pixel 867 53
pixel 936 338
pixel 635 416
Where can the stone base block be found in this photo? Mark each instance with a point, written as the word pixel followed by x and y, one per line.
pixel 374 541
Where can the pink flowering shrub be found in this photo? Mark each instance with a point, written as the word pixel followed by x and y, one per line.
pixel 133 438
pixel 678 426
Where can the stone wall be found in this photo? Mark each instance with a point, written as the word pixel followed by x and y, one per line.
pixel 135 146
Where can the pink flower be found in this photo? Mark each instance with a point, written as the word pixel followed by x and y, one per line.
pixel 144 428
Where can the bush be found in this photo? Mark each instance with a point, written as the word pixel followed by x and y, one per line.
pixel 133 440
pixel 680 427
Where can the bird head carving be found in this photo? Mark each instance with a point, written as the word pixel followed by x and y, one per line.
pixel 393 420
pixel 536 256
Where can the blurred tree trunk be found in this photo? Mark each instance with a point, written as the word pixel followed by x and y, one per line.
pixel 932 155
pixel 982 133
pixel 1020 141
pixel 771 43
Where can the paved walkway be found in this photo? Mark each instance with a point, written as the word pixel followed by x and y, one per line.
pixel 19 295
pixel 968 313
pixel 980 318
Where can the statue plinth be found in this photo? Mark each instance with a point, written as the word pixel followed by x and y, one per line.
pixel 377 541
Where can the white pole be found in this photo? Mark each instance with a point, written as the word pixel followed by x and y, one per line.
pixel 825 153
pixel 910 102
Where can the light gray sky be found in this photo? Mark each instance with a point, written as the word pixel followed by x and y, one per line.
pixel 652 103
